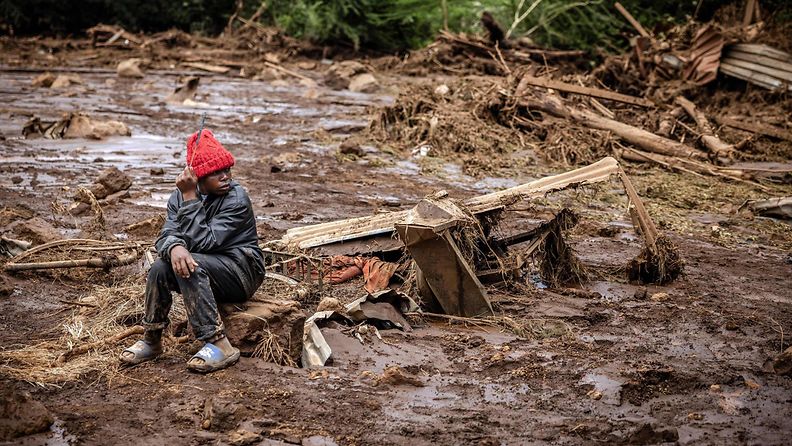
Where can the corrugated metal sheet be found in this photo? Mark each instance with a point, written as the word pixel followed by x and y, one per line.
pixel 758 64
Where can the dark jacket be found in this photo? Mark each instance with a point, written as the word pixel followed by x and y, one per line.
pixel 215 224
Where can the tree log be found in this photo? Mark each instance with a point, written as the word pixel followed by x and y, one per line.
pixel 639 137
pixel 708 138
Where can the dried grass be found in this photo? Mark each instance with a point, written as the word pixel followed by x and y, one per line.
pixel 661 266
pixel 103 313
pixel 559 265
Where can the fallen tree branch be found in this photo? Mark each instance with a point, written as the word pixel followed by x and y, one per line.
pixel 586 91
pixel 690 166
pixel 708 138
pixel 762 129
pixel 85 348
pixel 639 137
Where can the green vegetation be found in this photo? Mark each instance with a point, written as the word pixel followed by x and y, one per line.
pixel 384 25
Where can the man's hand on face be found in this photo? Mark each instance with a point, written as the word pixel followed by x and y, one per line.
pixel 187 182
pixel 182 261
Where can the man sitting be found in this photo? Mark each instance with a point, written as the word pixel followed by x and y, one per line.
pixel 208 250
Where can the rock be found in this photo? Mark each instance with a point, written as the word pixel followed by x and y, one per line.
pixel 21 415
pixel 16 179
pixel 648 434
pixel 36 230
pixel 149 227
pixel 184 92
pixel 306 65
pixel 44 80
pixel 130 68
pixel 363 83
pixel 221 414
pixel 114 180
pixel 339 75
pixel 783 363
pixel 284 162
pixel 65 80
pixel 349 147
pixel 442 90
pixel 641 294
pixel 263 318
pixel 241 437
pixel 157 171
pixel 330 304
pixel 659 297
pixel 397 376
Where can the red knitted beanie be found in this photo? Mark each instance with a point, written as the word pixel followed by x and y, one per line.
pixel 210 156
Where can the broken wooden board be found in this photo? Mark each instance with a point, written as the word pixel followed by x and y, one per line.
pixel 758 64
pixel 324 234
pixel 428 237
pixel 452 280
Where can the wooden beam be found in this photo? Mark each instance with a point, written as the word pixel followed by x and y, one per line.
pixel 762 129
pixel 586 91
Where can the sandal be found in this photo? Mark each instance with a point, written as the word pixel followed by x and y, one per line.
pixel 213 359
pixel 142 351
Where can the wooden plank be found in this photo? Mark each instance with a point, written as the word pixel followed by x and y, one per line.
pixel 749 12
pixel 755 127
pixel 760 79
pixel 762 50
pixel 761 60
pixel 586 91
pixel 778 74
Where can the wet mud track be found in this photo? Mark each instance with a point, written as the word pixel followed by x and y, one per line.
pixel 625 365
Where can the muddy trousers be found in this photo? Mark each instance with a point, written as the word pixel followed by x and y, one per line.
pixel 215 279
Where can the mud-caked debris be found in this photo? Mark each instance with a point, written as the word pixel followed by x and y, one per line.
pixel 330 304
pixel 73 125
pixel 130 68
pixel 35 230
pixel 339 75
pixel 149 227
pixel 349 147
pixel 221 414
pixel 65 80
pixel 242 437
pixel 21 415
pixel 394 375
pixel 363 83
pixel 783 363
pixel 651 434
pixel 6 287
pixel 271 330
pixel 44 80
pixel 184 92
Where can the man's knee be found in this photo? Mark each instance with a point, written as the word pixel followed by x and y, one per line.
pixel 159 271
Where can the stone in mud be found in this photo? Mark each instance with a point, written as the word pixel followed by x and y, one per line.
pixel 339 75
pixel 114 181
pixel 35 230
pixel 21 415
pixel 363 83
pixel 330 304
pixel 149 227
pixel 6 287
pixel 397 376
pixel 258 320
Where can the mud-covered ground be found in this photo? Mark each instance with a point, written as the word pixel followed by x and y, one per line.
pixel 622 364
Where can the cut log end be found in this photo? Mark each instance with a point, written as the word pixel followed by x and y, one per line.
pixel 660 265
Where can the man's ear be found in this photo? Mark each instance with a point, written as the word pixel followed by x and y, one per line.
pixel 201 182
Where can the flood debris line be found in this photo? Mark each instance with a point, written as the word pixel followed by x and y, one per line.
pixel 74 125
